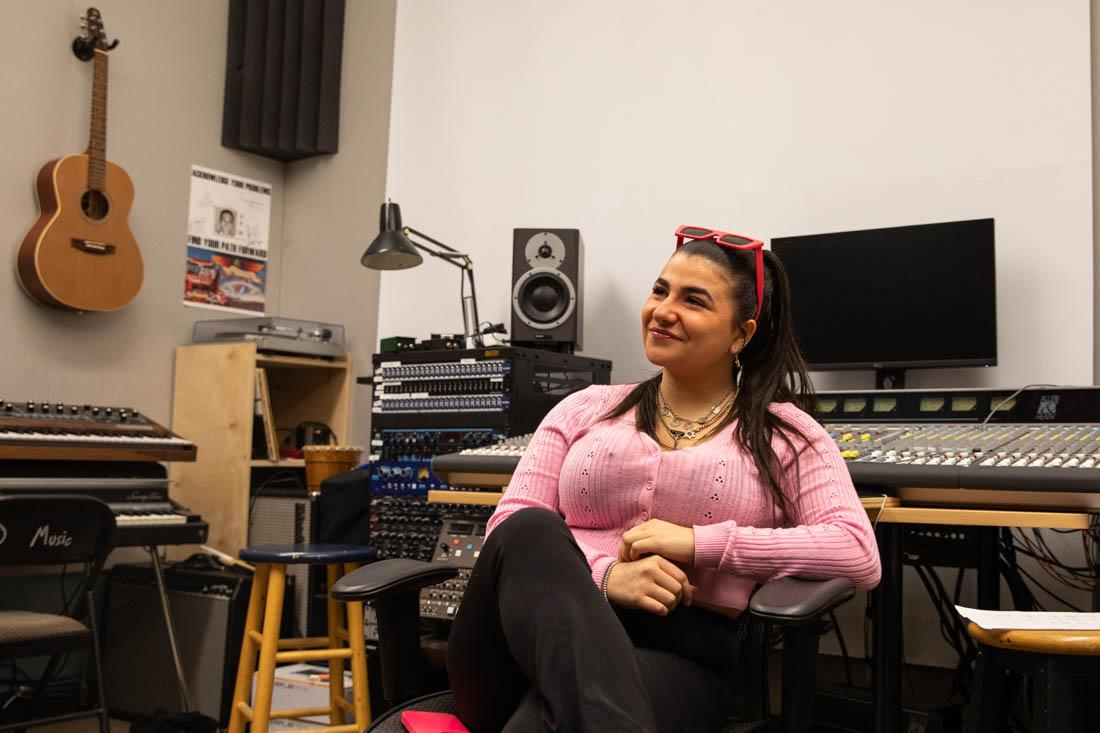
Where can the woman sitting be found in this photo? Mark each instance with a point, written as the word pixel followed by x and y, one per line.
pixel 644 515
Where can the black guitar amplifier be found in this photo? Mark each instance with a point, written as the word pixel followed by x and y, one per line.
pixel 208 609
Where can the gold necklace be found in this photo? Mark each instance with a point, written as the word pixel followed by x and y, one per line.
pixel 688 425
pixel 678 435
pixel 692 429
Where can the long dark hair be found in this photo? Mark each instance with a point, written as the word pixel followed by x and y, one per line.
pixel 772 368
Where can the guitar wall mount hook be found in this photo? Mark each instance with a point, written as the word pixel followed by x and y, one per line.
pixel 84 47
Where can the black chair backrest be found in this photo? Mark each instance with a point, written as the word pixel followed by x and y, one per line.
pixel 55 530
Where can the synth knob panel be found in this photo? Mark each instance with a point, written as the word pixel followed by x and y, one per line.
pixel 45 430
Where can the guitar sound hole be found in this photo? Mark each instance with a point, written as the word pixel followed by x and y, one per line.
pixel 94 204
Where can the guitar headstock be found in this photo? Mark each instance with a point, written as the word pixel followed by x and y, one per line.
pixel 95 35
pixel 92 25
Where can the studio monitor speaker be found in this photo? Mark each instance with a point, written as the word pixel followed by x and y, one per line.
pixel 547 277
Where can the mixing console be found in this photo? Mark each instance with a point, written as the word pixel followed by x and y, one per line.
pixel 1040 448
pixel 1033 446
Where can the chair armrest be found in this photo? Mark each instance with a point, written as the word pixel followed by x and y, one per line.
pixel 794 601
pixel 389 578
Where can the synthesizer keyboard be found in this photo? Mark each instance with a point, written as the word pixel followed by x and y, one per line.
pixel 69 432
pixel 137 494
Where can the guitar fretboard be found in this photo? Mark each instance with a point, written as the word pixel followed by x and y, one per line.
pixel 97 139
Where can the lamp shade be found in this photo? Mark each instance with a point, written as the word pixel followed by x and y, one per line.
pixel 391 249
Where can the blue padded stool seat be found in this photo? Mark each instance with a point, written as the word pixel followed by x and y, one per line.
pixel 308 554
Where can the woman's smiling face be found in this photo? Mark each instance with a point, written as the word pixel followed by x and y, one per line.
pixel 689 321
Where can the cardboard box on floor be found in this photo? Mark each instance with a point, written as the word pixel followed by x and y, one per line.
pixel 302 686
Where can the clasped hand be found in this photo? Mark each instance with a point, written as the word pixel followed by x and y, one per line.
pixel 646 576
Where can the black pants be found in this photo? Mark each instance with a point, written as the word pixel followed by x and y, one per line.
pixel 536 648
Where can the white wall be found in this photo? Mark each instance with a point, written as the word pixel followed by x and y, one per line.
pixel 627 118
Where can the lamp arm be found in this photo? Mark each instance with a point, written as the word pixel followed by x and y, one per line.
pixel 436 242
pixel 458 259
pixel 473 303
pixel 445 256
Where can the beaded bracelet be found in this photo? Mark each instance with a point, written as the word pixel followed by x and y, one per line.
pixel 606 577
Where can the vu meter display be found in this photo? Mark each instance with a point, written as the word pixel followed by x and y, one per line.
pixel 964 404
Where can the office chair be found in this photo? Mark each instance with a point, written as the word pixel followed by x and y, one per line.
pixel 55 530
pixel 794 605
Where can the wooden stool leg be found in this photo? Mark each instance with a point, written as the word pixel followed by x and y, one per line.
pixel 358 644
pixel 242 691
pixel 335 666
pixel 1052 691
pixel 269 647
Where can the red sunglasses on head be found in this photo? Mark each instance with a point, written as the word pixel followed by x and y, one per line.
pixel 732 241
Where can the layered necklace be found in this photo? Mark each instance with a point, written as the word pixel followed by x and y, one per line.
pixel 681 428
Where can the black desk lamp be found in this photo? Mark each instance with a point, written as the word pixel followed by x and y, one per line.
pixel 393 250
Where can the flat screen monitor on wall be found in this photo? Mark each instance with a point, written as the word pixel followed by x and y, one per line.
pixel 894 299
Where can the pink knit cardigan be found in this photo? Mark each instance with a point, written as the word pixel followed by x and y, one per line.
pixel 605 477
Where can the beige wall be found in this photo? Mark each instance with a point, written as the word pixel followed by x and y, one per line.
pixel 165 111
pixel 331 212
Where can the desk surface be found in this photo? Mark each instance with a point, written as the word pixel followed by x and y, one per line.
pixel 889 511
pixel 897 514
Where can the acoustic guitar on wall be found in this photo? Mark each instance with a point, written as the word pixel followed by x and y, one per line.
pixel 80 254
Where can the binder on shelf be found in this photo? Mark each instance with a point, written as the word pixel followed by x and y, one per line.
pixel 265 415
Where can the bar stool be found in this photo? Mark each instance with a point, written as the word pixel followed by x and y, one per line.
pixel 261 636
pixel 1053 659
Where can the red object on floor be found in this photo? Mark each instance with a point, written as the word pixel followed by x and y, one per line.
pixel 418 722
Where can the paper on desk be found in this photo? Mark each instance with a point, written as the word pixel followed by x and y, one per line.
pixel 1046 620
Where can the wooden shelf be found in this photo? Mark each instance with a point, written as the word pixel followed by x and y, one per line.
pixel 483 498
pixel 317 362
pixel 214 406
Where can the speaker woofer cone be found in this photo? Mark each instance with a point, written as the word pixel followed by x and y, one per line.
pixel 543 298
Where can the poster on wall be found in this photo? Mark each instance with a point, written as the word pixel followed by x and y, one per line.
pixel 227 228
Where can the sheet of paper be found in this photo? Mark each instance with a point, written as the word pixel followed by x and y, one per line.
pixel 1048 620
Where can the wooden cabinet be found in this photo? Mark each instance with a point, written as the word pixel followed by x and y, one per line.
pixel 213 405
